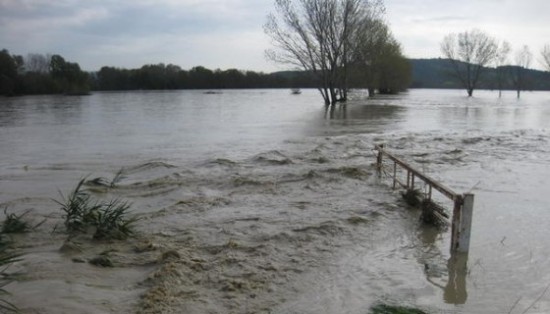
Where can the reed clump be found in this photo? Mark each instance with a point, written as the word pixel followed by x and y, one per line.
pixel 14 223
pixel 111 221
pixel 6 258
pixel 83 213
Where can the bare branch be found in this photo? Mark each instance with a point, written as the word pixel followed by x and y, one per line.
pixel 316 35
pixel 546 56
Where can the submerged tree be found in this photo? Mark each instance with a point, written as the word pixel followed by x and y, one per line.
pixel 469 53
pixel 378 60
pixel 546 56
pixel 523 61
pixel 501 60
pixel 318 36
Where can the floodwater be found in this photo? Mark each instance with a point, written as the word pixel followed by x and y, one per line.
pixel 259 201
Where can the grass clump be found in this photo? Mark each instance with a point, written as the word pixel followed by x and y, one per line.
pixel 14 223
pixel 388 309
pixel 111 222
pixel 82 213
pixel 79 208
pixel 105 182
pixel 6 258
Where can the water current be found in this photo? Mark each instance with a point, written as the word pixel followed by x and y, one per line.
pixel 259 201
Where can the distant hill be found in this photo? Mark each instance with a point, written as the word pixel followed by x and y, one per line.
pixel 437 73
pixel 430 73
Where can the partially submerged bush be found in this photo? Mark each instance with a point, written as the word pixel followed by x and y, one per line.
pixel 83 212
pixel 434 214
pixel 413 197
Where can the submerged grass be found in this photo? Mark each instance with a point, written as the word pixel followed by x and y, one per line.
pixel 14 223
pixel 389 309
pixel 101 181
pixel 6 258
pixel 111 222
pixel 83 212
pixel 79 208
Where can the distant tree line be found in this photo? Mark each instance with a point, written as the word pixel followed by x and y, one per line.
pixel 161 76
pixel 40 74
pixel 52 74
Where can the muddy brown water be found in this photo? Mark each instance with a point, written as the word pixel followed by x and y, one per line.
pixel 259 201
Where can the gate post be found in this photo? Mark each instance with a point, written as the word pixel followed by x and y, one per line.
pixel 466 223
pixel 462 223
pixel 379 159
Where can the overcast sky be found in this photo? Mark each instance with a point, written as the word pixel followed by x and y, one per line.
pixel 229 33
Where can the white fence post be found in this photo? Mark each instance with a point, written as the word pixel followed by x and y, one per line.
pixel 465 228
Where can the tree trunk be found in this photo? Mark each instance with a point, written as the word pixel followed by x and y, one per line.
pixel 470 92
pixel 371 92
pixel 333 97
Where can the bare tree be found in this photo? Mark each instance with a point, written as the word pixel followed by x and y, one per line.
pixel 37 63
pixel 317 36
pixel 501 60
pixel 523 60
pixel 469 52
pixel 546 56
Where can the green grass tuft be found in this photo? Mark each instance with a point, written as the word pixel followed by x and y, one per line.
pixel 80 210
pixel 14 223
pixel 111 222
pixel 83 212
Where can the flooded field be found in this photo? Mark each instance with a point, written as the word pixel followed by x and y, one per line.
pixel 259 201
